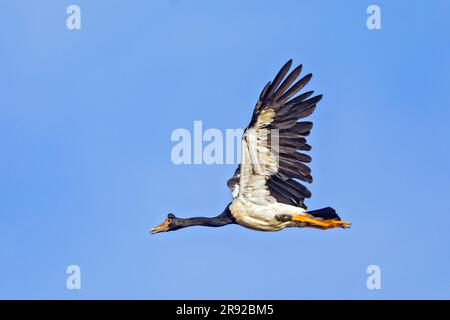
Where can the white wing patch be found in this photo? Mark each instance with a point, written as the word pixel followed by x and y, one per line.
pixel 258 163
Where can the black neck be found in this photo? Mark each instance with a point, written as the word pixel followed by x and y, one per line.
pixel 221 220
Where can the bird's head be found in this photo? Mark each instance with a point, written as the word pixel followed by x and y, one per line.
pixel 169 224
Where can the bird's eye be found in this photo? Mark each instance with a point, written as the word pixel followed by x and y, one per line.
pixel 169 220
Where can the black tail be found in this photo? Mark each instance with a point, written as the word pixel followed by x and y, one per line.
pixel 325 213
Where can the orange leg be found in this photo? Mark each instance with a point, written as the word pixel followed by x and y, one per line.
pixel 322 224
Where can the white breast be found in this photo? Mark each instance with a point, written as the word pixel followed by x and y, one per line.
pixel 262 217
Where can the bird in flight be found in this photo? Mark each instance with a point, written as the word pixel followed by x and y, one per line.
pixel 267 194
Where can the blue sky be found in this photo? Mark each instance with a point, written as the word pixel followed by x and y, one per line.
pixel 85 123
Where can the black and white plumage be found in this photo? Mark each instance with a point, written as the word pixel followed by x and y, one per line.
pixel 267 187
pixel 275 119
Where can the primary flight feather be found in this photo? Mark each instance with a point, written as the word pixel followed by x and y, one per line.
pixel 266 188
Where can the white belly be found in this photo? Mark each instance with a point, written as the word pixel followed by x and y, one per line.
pixel 262 217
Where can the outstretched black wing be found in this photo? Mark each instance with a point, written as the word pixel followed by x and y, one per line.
pixel 272 159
